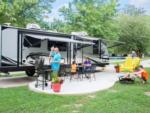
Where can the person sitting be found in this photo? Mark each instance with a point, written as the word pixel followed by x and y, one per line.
pixel 73 69
pixel 142 74
pixel 87 66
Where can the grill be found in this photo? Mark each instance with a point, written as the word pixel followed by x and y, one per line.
pixel 42 73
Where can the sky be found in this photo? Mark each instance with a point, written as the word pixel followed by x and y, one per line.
pixel 60 3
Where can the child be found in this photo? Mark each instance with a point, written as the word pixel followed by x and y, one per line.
pixel 142 73
pixel 73 67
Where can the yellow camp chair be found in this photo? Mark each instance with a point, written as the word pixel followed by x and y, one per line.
pixel 136 62
pixel 127 65
pixel 130 64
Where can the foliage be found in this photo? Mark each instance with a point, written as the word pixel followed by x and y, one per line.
pixel 96 17
pixel 57 25
pixel 55 78
pixel 21 12
pixel 134 31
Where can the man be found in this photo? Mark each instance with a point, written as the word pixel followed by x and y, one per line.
pixel 55 64
pixel 87 63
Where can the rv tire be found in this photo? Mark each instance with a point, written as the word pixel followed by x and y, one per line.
pixel 30 73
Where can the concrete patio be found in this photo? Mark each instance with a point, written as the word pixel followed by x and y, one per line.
pixel 104 80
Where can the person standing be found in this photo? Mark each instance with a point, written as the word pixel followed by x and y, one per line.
pixel 55 64
pixel 133 54
pixel 51 54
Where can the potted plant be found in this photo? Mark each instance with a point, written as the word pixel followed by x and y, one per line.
pixel 56 82
pixel 117 68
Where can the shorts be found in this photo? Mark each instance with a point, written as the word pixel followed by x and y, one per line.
pixel 73 73
pixel 87 69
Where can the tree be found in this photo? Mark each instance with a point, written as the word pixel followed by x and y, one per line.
pixel 97 17
pixel 21 12
pixel 134 32
pixel 57 25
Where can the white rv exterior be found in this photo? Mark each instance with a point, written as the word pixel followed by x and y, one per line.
pixel 9 43
pixel 15 47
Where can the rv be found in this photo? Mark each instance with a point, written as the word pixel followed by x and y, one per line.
pixel 20 46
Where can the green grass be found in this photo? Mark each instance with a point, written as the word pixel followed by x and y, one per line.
pixel 120 98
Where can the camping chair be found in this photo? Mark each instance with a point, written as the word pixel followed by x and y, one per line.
pixel 62 71
pixel 79 73
pixel 127 65
pixel 130 64
pixel 41 73
pixel 136 62
pixel 92 72
pixel 67 71
pixel 87 71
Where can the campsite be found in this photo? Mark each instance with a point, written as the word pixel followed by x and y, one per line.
pixel 74 56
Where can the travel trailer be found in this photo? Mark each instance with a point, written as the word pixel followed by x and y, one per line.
pixel 20 46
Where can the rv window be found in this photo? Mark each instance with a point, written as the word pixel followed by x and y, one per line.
pixel 61 45
pixel 95 47
pixel 31 42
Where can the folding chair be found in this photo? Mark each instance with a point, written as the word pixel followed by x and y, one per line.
pixel 80 72
pixel 67 71
pixel 62 71
pixel 92 72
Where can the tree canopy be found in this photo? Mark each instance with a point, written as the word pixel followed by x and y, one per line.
pixel 21 12
pixel 99 18
pixel 135 32
pixel 96 17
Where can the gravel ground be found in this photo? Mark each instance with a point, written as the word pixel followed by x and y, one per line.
pixel 15 81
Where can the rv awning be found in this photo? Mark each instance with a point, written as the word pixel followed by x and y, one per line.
pixel 59 39
pixel 87 38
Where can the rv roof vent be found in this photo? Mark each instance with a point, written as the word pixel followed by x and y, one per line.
pixel 7 24
pixel 82 33
pixel 33 26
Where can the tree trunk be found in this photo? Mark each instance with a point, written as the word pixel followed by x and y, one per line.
pixel 139 53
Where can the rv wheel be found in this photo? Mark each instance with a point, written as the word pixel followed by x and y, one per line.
pixel 30 73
